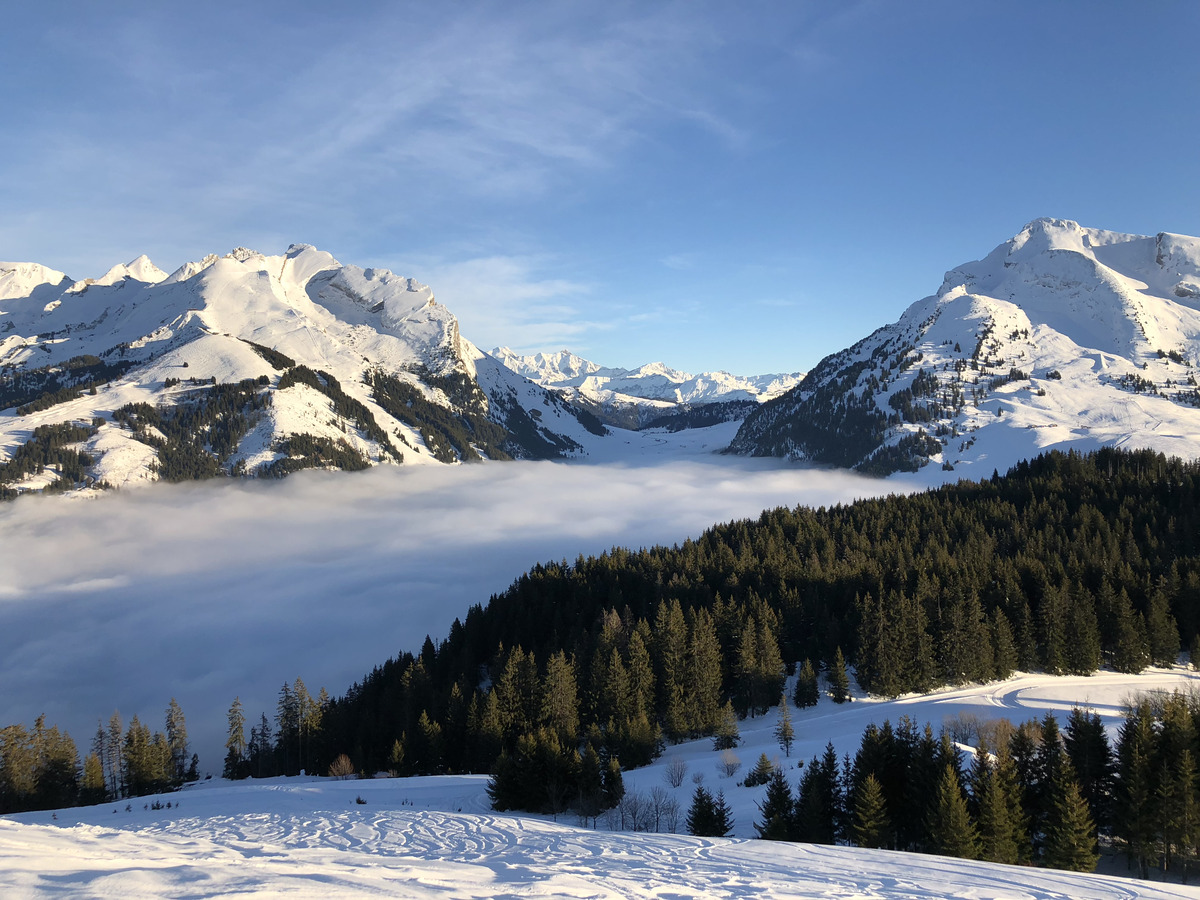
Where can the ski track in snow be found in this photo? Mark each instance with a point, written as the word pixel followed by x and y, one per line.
pixel 437 837
pixel 418 853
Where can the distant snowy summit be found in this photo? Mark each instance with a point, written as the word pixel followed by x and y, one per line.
pixel 1063 336
pixel 257 365
pixel 647 393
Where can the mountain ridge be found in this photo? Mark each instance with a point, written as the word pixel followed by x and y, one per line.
pixel 1062 335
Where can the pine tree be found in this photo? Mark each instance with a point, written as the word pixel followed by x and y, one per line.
pixel 703 672
pixel 870 827
pixel 640 678
pixel 18 769
pixel 1004 647
pixel 722 816
pixel 727 735
pixel 777 810
pixel 235 742
pixel 1088 749
pixel 996 829
pixel 670 656
pixel 1162 631
pixel 91 788
pixel 177 740
pixel 951 831
pixel 1081 654
pixel 761 773
pixel 1070 841
pixel 115 740
pixel 612 783
pixel 701 817
pixel 839 681
pixel 560 697
pixel 785 735
pixel 56 766
pixel 1136 814
pixel 807 690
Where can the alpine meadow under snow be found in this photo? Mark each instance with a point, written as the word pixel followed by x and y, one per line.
pixel 436 836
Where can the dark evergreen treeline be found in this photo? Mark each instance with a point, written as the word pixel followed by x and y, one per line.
pixel 298 743
pixel 40 768
pixel 1067 563
pixel 195 437
pixel 450 434
pixel 701 416
pixel 48 447
pixel 37 389
pixel 1033 794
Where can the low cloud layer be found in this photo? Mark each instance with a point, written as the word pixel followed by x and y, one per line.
pixel 204 592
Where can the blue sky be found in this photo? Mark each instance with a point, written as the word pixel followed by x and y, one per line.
pixel 744 188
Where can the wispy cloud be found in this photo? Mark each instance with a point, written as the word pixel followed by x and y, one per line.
pixel 510 300
pixel 210 591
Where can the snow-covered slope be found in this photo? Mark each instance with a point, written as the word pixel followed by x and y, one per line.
pixel 632 397
pixel 436 837
pixel 320 364
pixel 1062 336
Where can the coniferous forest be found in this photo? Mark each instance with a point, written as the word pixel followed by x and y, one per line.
pixel 579 670
pixel 1067 563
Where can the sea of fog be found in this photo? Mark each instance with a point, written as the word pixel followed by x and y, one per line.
pixel 208 591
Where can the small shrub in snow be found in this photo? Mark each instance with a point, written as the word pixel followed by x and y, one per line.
pixel 675 772
pixel 341 768
pixel 728 764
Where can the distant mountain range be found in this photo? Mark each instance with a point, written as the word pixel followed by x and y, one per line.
pixel 262 365
pixel 1063 336
pixel 653 393
pixel 249 364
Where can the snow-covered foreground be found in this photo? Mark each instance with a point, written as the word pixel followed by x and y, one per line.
pixel 435 837
pixel 315 840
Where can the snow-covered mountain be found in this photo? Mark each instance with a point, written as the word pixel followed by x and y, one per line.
pixel 1063 336
pixel 634 397
pixel 255 364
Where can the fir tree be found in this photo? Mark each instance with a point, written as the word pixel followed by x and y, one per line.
pixel 807 690
pixel 785 735
pixel 1004 648
pixel 871 826
pixel 722 816
pixel 702 681
pixel 761 773
pixel 1161 630
pixel 560 697
pixel 1088 749
pixel 839 681
pixel 777 810
pixel 993 813
pixel 177 740
pixel 727 735
pixel 1070 840
pixel 91 788
pixel 235 742
pixel 701 816
pixel 951 831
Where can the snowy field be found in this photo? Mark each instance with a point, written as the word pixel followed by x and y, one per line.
pixel 435 837
pixel 208 591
